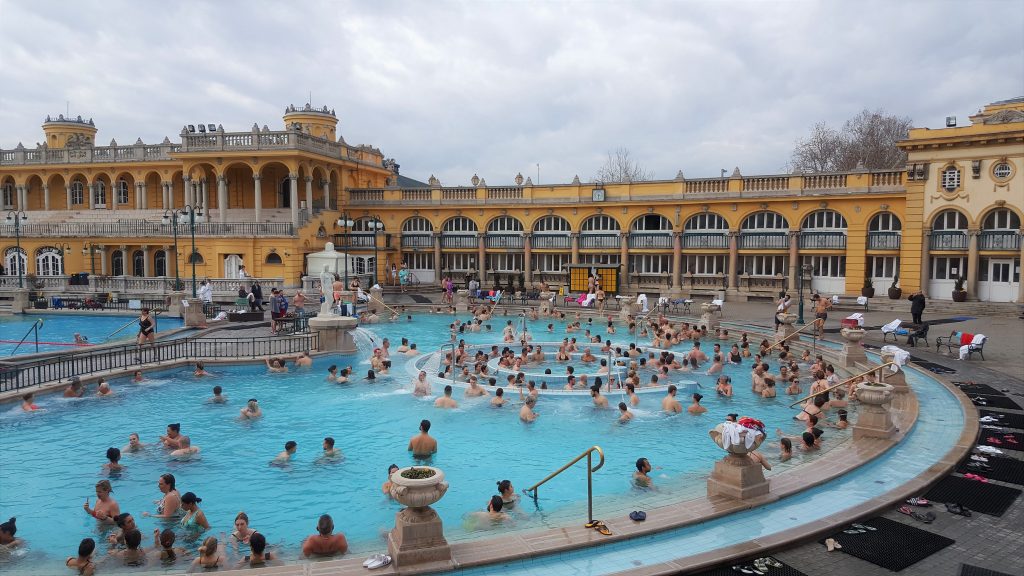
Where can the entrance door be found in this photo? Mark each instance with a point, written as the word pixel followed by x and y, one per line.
pixel 1003 280
pixel 231 264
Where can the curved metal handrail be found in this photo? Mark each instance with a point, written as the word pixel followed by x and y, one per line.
pixel 797 333
pixel 590 472
pixel 844 382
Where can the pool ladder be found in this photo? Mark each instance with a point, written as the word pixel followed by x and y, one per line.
pixel 33 329
pixel 588 454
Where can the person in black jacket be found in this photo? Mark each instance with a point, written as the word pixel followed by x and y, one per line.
pixel 257 291
pixel 917 303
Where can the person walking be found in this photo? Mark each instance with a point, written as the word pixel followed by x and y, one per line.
pixel 257 292
pixel 917 304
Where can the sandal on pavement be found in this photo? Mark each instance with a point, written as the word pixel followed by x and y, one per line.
pixel 919 502
pixel 832 545
pixel 603 530
pixel 864 527
pixel 381 562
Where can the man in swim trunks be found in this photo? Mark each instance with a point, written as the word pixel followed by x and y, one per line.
pixel 285 455
pixel 669 403
pixel 499 398
pixel 186 451
pixel 640 477
pixel 423 445
pixel 599 400
pixel 821 308
pixel 324 543
pixel 474 389
pixel 329 450
pixel 446 401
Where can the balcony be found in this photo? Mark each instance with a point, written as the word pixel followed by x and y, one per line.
pixel 764 240
pixel 999 240
pixel 551 241
pixel 823 240
pixel 884 240
pixel 705 240
pixel 417 241
pixel 650 241
pixel 146 228
pixel 461 242
pixel 948 241
pixel 354 241
pixel 600 241
pixel 504 241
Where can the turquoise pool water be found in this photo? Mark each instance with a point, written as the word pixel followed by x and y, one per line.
pixel 58 330
pixel 49 461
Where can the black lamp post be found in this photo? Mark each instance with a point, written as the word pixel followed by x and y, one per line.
pixel 15 217
pixel 345 223
pixel 803 271
pixel 377 225
pixel 172 217
pixel 91 250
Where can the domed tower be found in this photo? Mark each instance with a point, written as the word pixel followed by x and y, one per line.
pixel 69 132
pixel 318 122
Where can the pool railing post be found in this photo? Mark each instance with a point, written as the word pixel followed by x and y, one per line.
pixel 590 491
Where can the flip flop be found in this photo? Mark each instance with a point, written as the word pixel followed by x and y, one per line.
pixel 832 545
pixel 593 524
pixel 864 527
pixel 603 530
pixel 978 458
pixel 773 563
pixel 905 510
pixel 372 559
pixel 381 562
pixel 919 502
pixel 853 531
pixel 994 440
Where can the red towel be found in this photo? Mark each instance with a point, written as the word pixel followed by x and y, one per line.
pixel 966 338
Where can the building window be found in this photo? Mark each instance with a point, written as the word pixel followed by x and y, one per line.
pixel 885 222
pixel 15 261
pixel 652 223
pixel 706 264
pixel 884 266
pixel 459 224
pixel 273 258
pixel 600 223
pixel 949 220
pixel 1002 171
pixel 827 266
pixel 951 179
pixel 551 224
pixel 77 193
pixel 364 265
pixel 599 259
pixel 765 221
pixel 825 219
pixel 196 258
pixel 99 193
pixel 417 224
pixel 1001 219
pixel 8 195
pixel 505 224
pixel 419 261
pixel 550 263
pixel 160 263
pixel 505 263
pixel 765 265
pixel 49 261
pixel 456 262
pixel 138 263
pixel 117 263
pixel 366 225
pixel 122 192
pixel 650 263
pixel 706 221
pixel 948 267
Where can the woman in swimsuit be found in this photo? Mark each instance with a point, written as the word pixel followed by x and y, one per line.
pixel 147 328
pixel 257 557
pixel 242 531
pixel 27 403
pixel 194 518
pixel 83 563
pixel 7 531
pixel 170 504
pixel 106 507
pixel 209 556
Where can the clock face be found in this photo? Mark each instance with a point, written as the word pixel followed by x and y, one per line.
pixel 598 194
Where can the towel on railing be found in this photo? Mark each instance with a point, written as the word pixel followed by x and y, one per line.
pixel 731 435
pixel 899 356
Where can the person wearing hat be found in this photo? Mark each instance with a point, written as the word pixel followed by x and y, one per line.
pixel 194 518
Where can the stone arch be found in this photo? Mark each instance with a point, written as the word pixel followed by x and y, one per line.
pixel 949 219
pixel 274 184
pixel 506 224
pixel 34 192
pixel 58 192
pixel 651 222
pixel 241 186
pixel 129 180
pixel 988 210
pixel 154 189
pixel 764 220
pixel 707 221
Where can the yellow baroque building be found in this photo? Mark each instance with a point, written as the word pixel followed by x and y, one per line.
pixel 88 218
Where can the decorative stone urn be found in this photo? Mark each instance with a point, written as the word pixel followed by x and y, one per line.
pixel 418 535
pixel 897 379
pixel 786 328
pixel 737 475
pixel 626 308
pixel 708 318
pixel 853 352
pixel 546 297
pixel 873 417
pixel 461 300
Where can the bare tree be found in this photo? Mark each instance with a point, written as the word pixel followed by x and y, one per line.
pixel 869 138
pixel 620 167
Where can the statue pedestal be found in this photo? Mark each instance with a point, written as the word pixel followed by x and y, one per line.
pixel 708 319
pixel 898 379
pixel 853 352
pixel 626 308
pixel 461 300
pixel 335 333
pixel 545 302
pixel 786 328
pixel 376 297
pixel 194 317
pixel 873 418
pixel 174 307
pixel 737 476
pixel 418 537
pixel 20 302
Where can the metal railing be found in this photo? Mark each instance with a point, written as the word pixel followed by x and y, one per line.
pixel 600 241
pixel 459 241
pixel 650 240
pixel 884 240
pixel 948 241
pixel 507 241
pixel 551 241
pixel 138 228
pixel 764 240
pixel 590 473
pixel 823 240
pixel 998 240
pixel 417 240
pixel 844 382
pixel 797 333
pixel 698 240
pixel 16 376
pixel 33 330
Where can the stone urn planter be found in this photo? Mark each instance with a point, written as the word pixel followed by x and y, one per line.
pixel 707 317
pixel 873 417
pixel 786 326
pixel 853 352
pixel 897 379
pixel 418 535
pixel 737 475
pixel 853 334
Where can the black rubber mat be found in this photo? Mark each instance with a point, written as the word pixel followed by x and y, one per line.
pixel 975 388
pixel 968 570
pixel 991 499
pixel 419 299
pixel 981 400
pixel 1008 470
pixel 892 545
pixel 933 367
pixel 1002 440
pixel 728 570
pixel 1004 419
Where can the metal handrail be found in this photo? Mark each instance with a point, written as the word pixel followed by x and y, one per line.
pixel 844 382
pixel 130 322
pixel 34 328
pixel 802 328
pixel 590 472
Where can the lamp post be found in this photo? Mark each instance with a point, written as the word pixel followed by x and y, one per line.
pixel 91 250
pixel 345 223
pixel 175 215
pixel 377 225
pixel 15 217
pixel 803 271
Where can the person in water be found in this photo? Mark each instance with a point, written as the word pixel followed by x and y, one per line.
pixel 194 518
pixel 283 457
pixel 242 530
pixel 210 557
pixel 386 486
pixel 83 563
pixel 696 408
pixel 7 531
pixel 186 450
pixel 624 414
pixel 163 543
pixel 170 440
pixel 106 508
pixel 325 542
pixel 258 556
pixel 640 477
pixel 669 403
pixel 134 445
pixel 251 411
pixel 423 445
pixel 28 403
pixel 170 505
pixel 446 401
pixel 218 396
pixel 113 464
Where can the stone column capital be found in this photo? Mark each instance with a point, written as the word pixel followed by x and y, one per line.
pixel 308 179
pixel 256 177
pixel 221 178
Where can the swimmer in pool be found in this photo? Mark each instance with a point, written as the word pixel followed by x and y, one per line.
pixel 200 370
pixel 386 486
pixel 251 411
pixel 330 452
pixel 423 445
pixel 134 445
pixel 624 414
pixel 640 477
pixel 113 456
pixel 526 413
pixel 285 455
pixel 218 396
pixel 325 542
pixel 634 400
pixel 420 386
pixel 669 403
pixel 696 408
pixel 499 398
pixel 303 360
pixel 446 401
pixel 104 388
pixel 275 365
pixel 599 400
pixel 186 450
pixel 170 440
pixel 138 377
pixel 474 388
pixel 169 506
pixel 27 404
pixel 106 507
pixel 75 390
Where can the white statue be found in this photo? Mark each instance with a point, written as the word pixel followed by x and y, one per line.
pixel 326 284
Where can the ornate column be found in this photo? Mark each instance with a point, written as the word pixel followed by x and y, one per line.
pixel 258 198
pixel 527 260
pixel 326 187
pixel 437 257
pixel 293 196
pixel 972 265
pixel 187 183
pixel 90 188
pixel 481 262
pixel 734 258
pixel 145 195
pixel 46 196
pixel 138 195
pixel 677 263
pixel 115 191
pixel 574 238
pixel 146 270
pixel 624 252
pixel 67 195
pixel 163 195
pixel 309 195
pixel 205 193
pixel 794 257
pixel 926 241
pixel 222 198
pixel 22 204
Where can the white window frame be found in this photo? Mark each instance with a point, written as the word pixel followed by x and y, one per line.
pixel 706 221
pixel 117 263
pixel 505 262
pixel 706 264
pixel 940 266
pixel 549 263
pixel 826 266
pixel 600 259
pixel 458 261
pixel 417 224
pixel 765 265
pixel 122 192
pixel 641 222
pixel 552 224
pixel 419 260
pixel 459 225
pixel 505 225
pixel 160 263
pixel 885 222
pixel 650 263
pixel 765 220
pixel 950 178
pixel 77 193
pixel 600 224
pixel 1001 219
pixel 828 220
pixel 883 266
pixel 942 221
pixel 14 259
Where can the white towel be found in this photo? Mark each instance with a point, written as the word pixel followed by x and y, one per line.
pixel 642 301
pixel 862 300
pixel 978 339
pixel 900 356
pixel 731 434
pixel 835 299
pixel 719 303
pixel 891 326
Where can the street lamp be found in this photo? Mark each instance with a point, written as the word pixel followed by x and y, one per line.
pixel 377 225
pixel 176 215
pixel 15 217
pixel 804 270
pixel 91 250
pixel 345 223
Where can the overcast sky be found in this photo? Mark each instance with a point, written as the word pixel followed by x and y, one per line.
pixel 494 88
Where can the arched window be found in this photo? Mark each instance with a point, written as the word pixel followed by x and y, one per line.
pixel 600 223
pixel 824 220
pixel 99 193
pixel 273 258
pixel 651 223
pixel 7 195
pixel 885 222
pixel 196 258
pixel 949 220
pixel 138 263
pixel 505 224
pixel 765 221
pixel 459 225
pixel 600 232
pixel 367 225
pixel 160 263
pixel 417 224
pixel 706 221
pixel 1001 219
pixel 551 224
pixel 117 263
pixel 77 193
pixel 15 261
pixel 122 193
